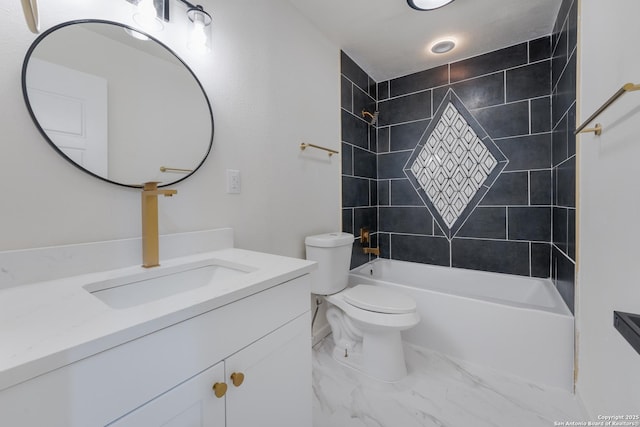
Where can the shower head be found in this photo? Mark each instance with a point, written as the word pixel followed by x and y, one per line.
pixel 374 116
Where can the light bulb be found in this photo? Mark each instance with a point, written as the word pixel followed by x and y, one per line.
pixel 147 16
pixel 146 8
pixel 198 36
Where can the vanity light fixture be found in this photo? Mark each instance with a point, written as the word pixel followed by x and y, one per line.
pixel 150 14
pixel 427 4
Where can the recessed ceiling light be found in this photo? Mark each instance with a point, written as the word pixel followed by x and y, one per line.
pixel 443 46
pixel 427 4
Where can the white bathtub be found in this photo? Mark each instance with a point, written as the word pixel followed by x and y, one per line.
pixel 515 324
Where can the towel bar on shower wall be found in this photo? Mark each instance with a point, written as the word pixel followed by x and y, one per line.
pixel 629 87
pixel 331 152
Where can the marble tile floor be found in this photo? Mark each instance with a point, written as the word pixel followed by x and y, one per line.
pixel 438 391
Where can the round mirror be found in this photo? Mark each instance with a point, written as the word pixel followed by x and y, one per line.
pixel 117 103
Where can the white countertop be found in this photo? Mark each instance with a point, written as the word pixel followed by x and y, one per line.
pixel 47 325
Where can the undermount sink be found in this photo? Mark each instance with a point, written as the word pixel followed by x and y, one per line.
pixel 130 291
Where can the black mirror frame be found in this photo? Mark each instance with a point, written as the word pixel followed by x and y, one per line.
pixel 25 63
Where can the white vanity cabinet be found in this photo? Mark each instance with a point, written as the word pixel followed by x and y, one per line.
pixel 274 391
pixel 166 378
pixel 191 404
pixel 277 380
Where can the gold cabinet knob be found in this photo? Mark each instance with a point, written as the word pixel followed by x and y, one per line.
pixel 220 389
pixel 237 378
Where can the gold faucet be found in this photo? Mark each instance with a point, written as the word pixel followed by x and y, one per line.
pixel 373 251
pixel 365 237
pixel 150 240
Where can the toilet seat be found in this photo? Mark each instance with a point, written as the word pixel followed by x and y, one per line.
pixel 366 319
pixel 379 300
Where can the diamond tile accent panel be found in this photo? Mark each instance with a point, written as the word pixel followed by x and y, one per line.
pixel 454 164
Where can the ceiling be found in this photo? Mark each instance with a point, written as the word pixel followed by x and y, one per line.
pixel 389 39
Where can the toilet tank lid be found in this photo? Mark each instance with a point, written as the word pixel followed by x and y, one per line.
pixel 329 240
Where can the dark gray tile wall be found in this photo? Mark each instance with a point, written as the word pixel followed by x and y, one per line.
pixel 563 149
pixel 509 93
pixel 359 155
pixel 523 224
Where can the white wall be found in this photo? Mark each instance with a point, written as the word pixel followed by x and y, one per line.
pixel 273 81
pixel 609 208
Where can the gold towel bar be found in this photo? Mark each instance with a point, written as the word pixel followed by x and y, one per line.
pixel 166 169
pixel 629 87
pixel 305 145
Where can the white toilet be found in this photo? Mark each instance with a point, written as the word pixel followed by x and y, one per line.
pixel 365 320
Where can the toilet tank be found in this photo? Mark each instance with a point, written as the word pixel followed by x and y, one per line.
pixel 332 252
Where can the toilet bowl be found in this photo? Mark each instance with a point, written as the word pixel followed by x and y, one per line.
pixel 366 331
pixel 365 320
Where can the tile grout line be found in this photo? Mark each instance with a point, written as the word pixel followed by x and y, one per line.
pixel 506 220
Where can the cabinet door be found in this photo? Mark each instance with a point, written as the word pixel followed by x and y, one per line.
pixel 276 390
pixel 191 404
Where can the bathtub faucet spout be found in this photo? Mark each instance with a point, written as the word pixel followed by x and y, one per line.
pixel 373 251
